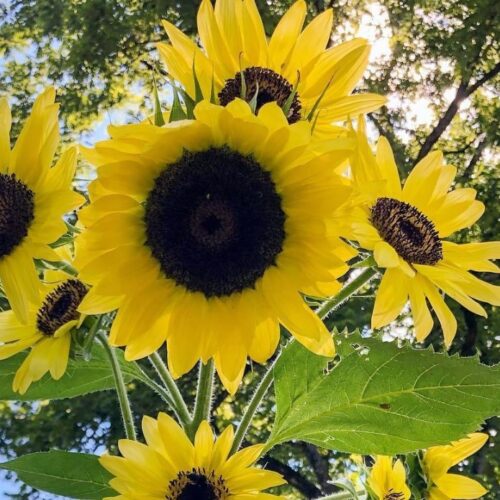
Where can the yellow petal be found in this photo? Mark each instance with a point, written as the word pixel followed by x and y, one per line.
pixel 456 486
pixel 214 43
pixel 311 42
pixel 286 34
pixel 20 281
pixel 254 35
pixel 389 169
pixel 385 255
pixel 421 315
pixel 445 316
pixel 182 453
pixel 459 450
pixel 203 444
pixel 392 296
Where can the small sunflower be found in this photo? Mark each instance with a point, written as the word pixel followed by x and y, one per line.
pixel 205 232
pixel 387 481
pixel 170 467
pixel 33 199
pixel 405 228
pixel 437 461
pixel 294 68
pixel 48 331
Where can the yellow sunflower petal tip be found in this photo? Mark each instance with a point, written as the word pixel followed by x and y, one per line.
pixel 439 459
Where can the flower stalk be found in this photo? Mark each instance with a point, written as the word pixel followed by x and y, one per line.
pixel 178 403
pixel 121 390
pixel 204 393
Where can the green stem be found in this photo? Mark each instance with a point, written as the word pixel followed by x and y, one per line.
pixel 353 286
pixel 121 390
pixel 252 407
pixel 203 403
pixel 89 339
pixel 180 407
pixel 161 391
pixel 266 381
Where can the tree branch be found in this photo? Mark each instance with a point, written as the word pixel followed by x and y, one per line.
pixel 321 468
pixel 478 153
pixel 486 77
pixel 294 478
pixel 464 90
pixel 445 120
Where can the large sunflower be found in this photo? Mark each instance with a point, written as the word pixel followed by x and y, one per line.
pixel 47 332
pixel 170 467
pixel 239 61
pixel 204 233
pixel 33 199
pixel 406 226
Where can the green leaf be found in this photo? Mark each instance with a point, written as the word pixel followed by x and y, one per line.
pixel 74 475
pixel 158 115
pixel 80 378
pixel 381 399
pixel 176 112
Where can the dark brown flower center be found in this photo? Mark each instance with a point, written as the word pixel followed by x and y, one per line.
pixel 407 230
pixel 266 85
pixel 214 222
pixel 393 495
pixel 197 484
pixel 60 306
pixel 17 211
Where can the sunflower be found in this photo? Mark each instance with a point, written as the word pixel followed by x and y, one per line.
pixel 293 69
pixel 170 467
pixel 387 481
pixel 48 331
pixel 405 228
pixel 204 233
pixel 437 461
pixel 33 199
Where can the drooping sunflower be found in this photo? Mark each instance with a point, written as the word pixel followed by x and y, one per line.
pixel 170 467
pixel 293 68
pixel 204 233
pixel 406 226
pixel 47 334
pixel 437 461
pixel 387 481
pixel 33 199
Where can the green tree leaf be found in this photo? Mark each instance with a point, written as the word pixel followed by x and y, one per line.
pixel 381 399
pixel 74 475
pixel 80 378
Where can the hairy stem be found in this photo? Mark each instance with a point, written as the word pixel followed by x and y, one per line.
pixel 180 407
pixel 204 392
pixel 252 407
pixel 160 390
pixel 121 390
pixel 352 287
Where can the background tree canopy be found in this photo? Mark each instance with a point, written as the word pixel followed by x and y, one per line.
pixel 438 63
